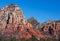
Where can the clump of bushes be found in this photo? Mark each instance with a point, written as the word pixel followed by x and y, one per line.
pixel 31 39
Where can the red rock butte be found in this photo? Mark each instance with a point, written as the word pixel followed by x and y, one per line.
pixel 14 24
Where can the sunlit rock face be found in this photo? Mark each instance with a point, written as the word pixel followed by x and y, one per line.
pixel 14 24
pixel 52 28
pixel 11 15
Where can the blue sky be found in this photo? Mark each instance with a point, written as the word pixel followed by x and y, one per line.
pixel 42 10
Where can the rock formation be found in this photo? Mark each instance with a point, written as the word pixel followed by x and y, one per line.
pixel 14 24
pixel 34 22
pixel 50 28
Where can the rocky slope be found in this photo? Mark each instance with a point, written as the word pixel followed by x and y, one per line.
pixel 50 28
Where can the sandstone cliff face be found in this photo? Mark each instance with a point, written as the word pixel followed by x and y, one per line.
pixel 14 24
pixel 11 15
pixel 52 28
